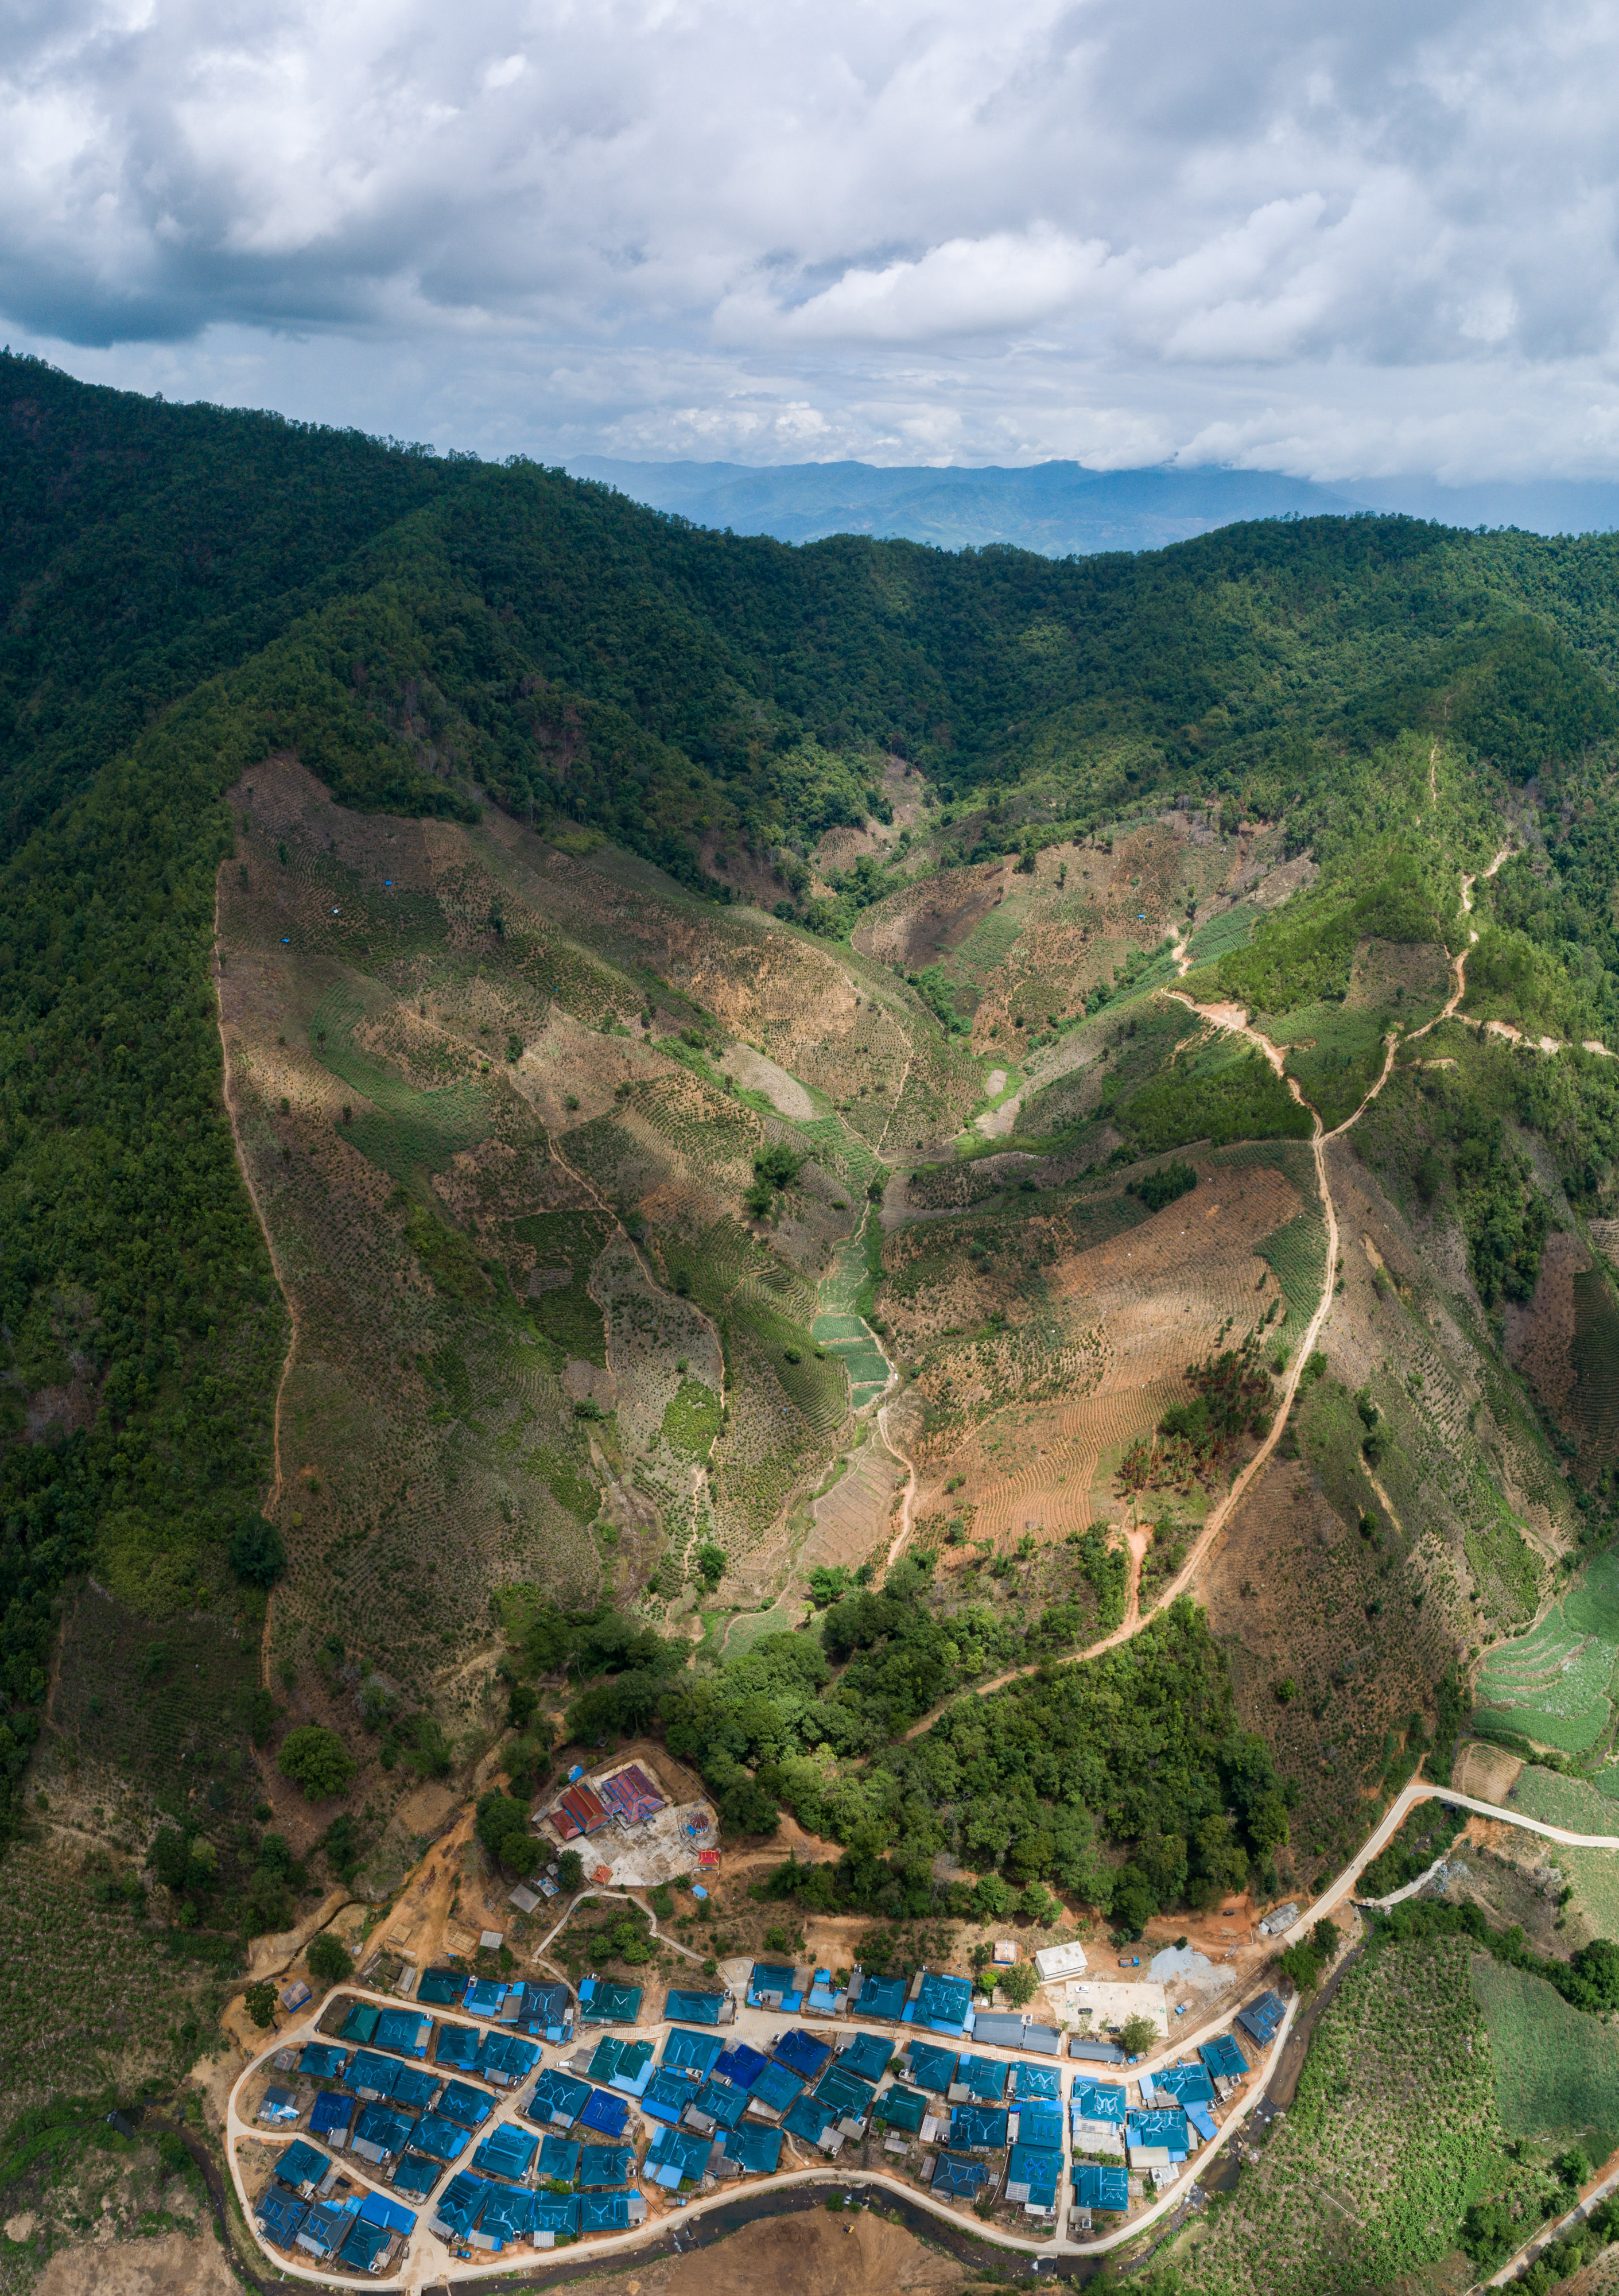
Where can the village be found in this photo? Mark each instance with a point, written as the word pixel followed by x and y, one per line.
pixel 418 2118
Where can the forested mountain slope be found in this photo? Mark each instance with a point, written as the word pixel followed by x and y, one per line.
pixel 637 971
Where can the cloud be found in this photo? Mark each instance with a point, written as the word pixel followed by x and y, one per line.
pixel 930 230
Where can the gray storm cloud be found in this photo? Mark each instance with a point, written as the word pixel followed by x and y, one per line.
pixel 916 232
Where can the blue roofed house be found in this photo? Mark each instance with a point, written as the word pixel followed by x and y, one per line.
pixel 604 2166
pixel 457 2048
pixel 417 2174
pixel 883 1997
pixel 755 2152
pixel 867 2054
pixel 360 2024
pixel 1037 2084
pixel 849 2097
pixel 625 2066
pixel 507 2151
pixel 1096 2111
pixel 1262 2019
pixel 330 2118
pixel 376 2208
pixel 1033 2175
pixel 484 1997
pixel 810 2119
pixel 902 2108
pixel 405 2032
pixel 978 2127
pixel 1102 2186
pixel 559 2159
pixel 698 2008
pixel 440 1987
pixel 415 2089
pixel 1224 2059
pixel 505 2059
pixel 278 2215
pixel 458 2205
pixel 772 2091
pixel 610 2211
pixel 323 2230
pixel 606 2113
pixel 366 2248
pixel 1156 2138
pixel 1202 2121
pixel 323 2060
pixel 467 2106
pixel 981 2078
pixel 381 2133
pixel 1041 2125
pixel 372 2077
pixel 955 2180
pixel 601 2004
pixel 930 2067
pixel 944 2003
pixel 826 1997
pixel 677 2155
pixel 801 2052
pixel 715 2105
pixel 1183 2083
pixel 546 2012
pixel 775 1986
pixel 278 2108
pixel 740 2062
pixel 301 2168
pixel 554 2213
pixel 559 2098
pixel 506 2215
pixel 668 2094
pixel 440 2138
pixel 688 2052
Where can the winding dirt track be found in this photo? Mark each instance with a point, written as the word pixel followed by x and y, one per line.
pixel 1235 1022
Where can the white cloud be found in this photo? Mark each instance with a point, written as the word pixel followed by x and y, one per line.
pixel 929 231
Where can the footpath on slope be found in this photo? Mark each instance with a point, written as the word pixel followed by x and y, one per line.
pixel 1234 1019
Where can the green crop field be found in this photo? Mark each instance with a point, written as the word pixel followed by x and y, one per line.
pixel 1583 1808
pixel 1297 1256
pixel 1596 1363
pixel 692 1419
pixel 1553 1685
pixel 1556 2070
pixel 1222 934
pixel 1393 2134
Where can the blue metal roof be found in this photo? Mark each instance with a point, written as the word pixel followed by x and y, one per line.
pixel 281 2213
pixel 376 2208
pixel 506 2150
pixel 370 2072
pixel 868 2055
pixel 668 2094
pixel 484 1997
pixel 560 2158
pixel 324 2060
pixel 506 2058
pixel 460 2202
pixel 977 2127
pixel 1202 2121
pixel 1164 2124
pixel 952 2175
pixel 902 2108
pixel 807 2118
pixel 757 2151
pixel 1186 2084
pixel 1038 2084
pixel 775 2086
pixel 601 2004
pixel 604 2211
pixel 440 1987
pixel 300 2164
pixel 556 2211
pixel 1040 2124
pixel 1097 2100
pixel 883 1997
pixel 1262 2019
pixel 331 2113
pixel 457 2046
pixel 405 2032
pixel 741 2063
pixel 682 2150
pixel 557 2093
pixel 801 2052
pixel 945 2002
pixel 470 2107
pixel 693 2008
pixel 605 2113
pixel 1038 2167
pixel 724 2104
pixel 381 2125
pixel 506 2214
pixel 687 2051
pixel 417 2176
pixel 846 2091
pixel 983 2076
pixel 415 2089
pixel 1104 2185
pixel 365 2244
pixel 603 2165
pixel 1223 2058
pixel 931 2067
pixel 439 2137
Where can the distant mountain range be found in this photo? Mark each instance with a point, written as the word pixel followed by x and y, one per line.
pixel 1062 508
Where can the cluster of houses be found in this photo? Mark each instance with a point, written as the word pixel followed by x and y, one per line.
pixel 417 2100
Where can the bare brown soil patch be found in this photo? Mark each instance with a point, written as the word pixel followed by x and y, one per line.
pixel 1488 1772
pixel 854 2253
pixel 917 925
pixel 168 2266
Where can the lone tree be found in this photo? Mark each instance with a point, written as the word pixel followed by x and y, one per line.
pixel 256 1553
pixel 570 1869
pixel 502 1828
pixel 317 1760
pixel 330 1960
pixel 259 2000
pixel 1137 2034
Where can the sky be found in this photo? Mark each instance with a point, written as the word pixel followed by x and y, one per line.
pixel 1341 242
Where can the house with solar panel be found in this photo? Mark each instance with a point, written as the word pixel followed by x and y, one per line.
pixel 1262 2019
